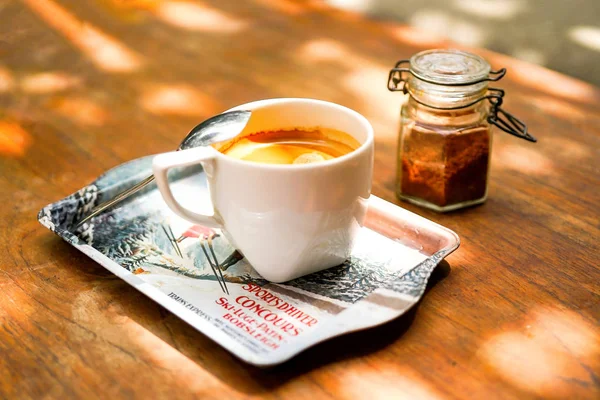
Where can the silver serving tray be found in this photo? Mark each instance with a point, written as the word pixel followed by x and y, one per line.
pixel 145 244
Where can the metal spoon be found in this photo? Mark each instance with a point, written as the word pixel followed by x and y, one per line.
pixel 216 129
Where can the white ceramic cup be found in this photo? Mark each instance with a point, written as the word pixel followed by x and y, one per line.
pixel 287 220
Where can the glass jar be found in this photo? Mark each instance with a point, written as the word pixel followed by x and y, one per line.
pixel 445 138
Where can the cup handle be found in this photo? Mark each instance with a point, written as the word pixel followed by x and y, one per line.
pixel 161 165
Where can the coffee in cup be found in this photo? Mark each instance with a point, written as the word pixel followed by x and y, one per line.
pixel 292 146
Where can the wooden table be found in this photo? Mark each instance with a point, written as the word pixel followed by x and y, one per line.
pixel 87 85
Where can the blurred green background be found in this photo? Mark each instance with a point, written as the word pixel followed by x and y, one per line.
pixel 563 35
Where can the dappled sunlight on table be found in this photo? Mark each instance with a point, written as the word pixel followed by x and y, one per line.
pixel 568 148
pixel 198 17
pixel 178 99
pixel 116 327
pixel 106 52
pixel 537 356
pixel 575 334
pixel 547 81
pixel 323 49
pixel 80 110
pixel 521 159
pixel 6 80
pixel 48 82
pixel 14 139
pixel 156 351
pixel 388 381
pixel 561 108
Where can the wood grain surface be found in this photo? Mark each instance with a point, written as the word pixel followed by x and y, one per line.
pixel 87 85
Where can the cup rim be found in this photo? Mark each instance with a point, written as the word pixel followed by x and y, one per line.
pixel 292 167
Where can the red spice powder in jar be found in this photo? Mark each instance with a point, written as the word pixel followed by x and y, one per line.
pixel 444 169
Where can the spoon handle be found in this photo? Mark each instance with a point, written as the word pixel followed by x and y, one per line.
pixel 117 199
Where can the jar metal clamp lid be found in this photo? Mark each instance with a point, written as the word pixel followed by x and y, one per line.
pixel 454 79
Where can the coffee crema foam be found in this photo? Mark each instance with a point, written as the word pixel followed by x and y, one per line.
pixel 294 146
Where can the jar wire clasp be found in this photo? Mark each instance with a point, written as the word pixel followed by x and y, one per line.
pixel 397 82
